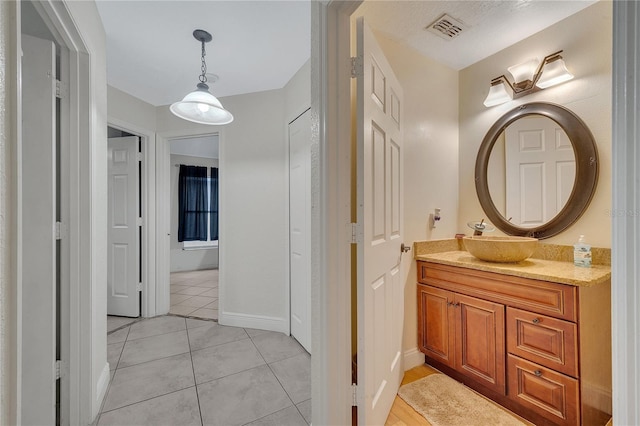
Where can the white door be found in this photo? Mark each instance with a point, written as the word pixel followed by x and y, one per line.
pixel 541 164
pixel 379 195
pixel 38 190
pixel 300 228
pixel 123 257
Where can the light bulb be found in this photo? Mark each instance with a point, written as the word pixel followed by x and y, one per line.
pixel 203 107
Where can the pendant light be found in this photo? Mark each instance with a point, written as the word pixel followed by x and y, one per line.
pixel 200 106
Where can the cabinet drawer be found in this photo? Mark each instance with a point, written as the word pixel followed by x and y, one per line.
pixel 544 340
pixel 550 394
pixel 556 300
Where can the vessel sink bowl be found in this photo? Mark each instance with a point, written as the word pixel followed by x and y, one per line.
pixel 500 249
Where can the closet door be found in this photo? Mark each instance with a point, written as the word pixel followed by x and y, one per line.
pixel 123 239
pixel 300 228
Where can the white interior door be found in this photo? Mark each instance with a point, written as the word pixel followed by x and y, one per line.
pixel 541 164
pixel 379 195
pixel 38 192
pixel 123 276
pixel 300 228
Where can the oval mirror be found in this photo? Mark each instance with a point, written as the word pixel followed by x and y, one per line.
pixel 536 170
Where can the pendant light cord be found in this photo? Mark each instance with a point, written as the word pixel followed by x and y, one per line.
pixel 203 67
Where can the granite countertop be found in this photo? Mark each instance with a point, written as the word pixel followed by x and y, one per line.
pixel 540 269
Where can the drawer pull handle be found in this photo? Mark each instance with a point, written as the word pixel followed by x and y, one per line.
pixel 536 320
pixel 538 373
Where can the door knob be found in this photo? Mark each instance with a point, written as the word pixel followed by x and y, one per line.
pixel 404 248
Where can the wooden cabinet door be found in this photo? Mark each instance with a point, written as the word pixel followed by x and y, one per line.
pixel 480 341
pixel 436 335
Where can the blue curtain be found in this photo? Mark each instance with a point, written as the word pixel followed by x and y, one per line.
pixel 213 198
pixel 192 203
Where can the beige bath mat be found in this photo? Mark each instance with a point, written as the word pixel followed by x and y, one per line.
pixel 445 402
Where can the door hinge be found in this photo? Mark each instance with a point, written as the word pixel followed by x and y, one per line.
pixel 139 221
pixel 58 89
pixel 138 286
pixel 58 231
pixel 139 156
pixel 58 368
pixel 354 395
pixel 356 234
pixel 357 66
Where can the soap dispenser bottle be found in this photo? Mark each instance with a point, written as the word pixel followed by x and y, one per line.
pixel 582 253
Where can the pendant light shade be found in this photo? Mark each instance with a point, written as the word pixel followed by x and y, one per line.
pixel 200 106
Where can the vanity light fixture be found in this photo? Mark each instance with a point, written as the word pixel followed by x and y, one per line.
pixel 528 77
pixel 200 106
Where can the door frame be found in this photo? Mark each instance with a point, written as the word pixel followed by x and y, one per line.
pixel 330 221
pixel 148 251
pixel 329 68
pixel 79 400
pixel 625 243
pixel 163 215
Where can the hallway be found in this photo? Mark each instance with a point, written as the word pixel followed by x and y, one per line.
pixel 171 370
pixel 195 294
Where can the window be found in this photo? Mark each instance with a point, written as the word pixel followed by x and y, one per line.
pixel 198 207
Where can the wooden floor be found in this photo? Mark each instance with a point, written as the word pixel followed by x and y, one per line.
pixel 401 413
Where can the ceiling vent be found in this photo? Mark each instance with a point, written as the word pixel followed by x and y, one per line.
pixel 446 27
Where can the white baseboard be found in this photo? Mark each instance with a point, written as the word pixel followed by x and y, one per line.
pixel 101 388
pixel 254 321
pixel 413 358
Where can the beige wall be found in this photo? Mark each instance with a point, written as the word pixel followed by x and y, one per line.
pixel 129 109
pixel 430 158
pixel 586 40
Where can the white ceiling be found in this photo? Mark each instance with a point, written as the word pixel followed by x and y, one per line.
pixel 258 45
pixel 490 25
pixel 152 55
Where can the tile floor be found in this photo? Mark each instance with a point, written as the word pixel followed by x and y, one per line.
pixel 195 294
pixel 171 370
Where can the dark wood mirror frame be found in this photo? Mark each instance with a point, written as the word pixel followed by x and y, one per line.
pixel 586 153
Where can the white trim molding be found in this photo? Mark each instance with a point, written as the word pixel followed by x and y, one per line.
pixel 259 322
pixel 103 384
pixel 413 358
pixel 331 211
pixel 625 269
pixel 10 120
